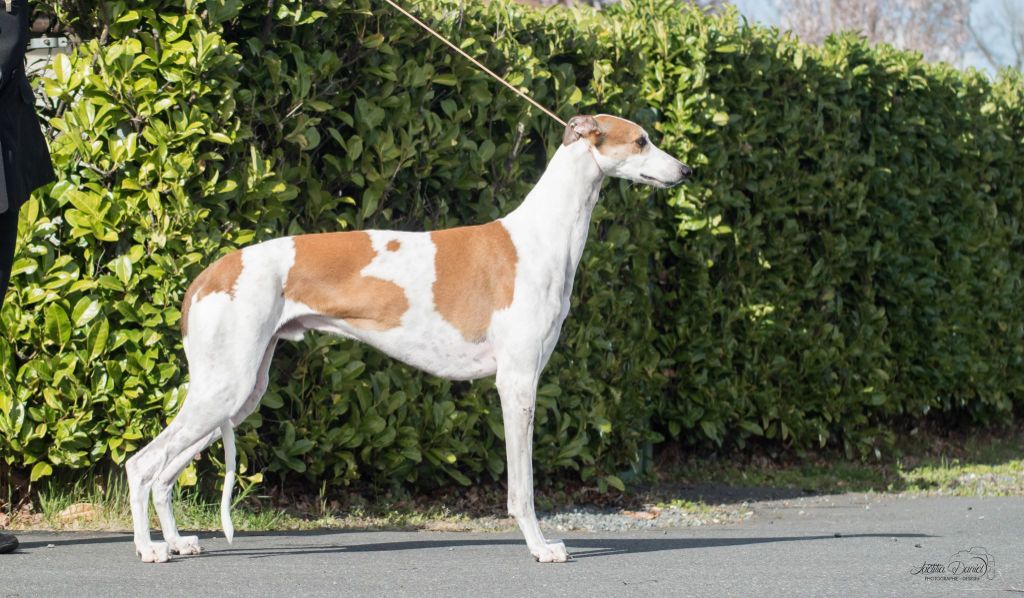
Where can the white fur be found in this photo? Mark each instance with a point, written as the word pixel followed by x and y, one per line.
pixel 232 338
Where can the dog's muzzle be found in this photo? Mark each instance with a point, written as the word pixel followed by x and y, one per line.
pixel 684 174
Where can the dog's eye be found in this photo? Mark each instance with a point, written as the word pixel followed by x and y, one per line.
pixel 641 142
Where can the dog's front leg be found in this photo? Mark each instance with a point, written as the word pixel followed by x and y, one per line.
pixel 518 400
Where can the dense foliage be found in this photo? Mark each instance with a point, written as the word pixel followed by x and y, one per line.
pixel 848 259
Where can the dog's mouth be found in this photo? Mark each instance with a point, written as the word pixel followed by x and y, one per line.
pixel 660 183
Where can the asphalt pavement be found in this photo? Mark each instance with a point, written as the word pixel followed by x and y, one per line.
pixel 849 545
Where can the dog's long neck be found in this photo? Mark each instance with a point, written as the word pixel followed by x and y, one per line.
pixel 556 213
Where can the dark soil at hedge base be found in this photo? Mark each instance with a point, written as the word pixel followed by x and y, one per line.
pixel 844 265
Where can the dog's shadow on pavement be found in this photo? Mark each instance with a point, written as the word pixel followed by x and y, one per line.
pixel 72 539
pixel 579 548
pixel 607 547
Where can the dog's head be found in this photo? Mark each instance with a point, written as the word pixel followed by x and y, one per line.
pixel 623 149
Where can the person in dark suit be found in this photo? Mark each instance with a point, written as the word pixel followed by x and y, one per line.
pixel 26 161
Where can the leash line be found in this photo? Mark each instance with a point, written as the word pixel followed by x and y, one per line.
pixel 474 61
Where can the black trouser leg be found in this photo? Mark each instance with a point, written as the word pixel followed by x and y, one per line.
pixel 8 237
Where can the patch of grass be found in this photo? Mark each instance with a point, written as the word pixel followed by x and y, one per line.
pixel 101 503
pixel 954 478
pixel 194 511
pixel 813 477
pixel 692 507
pixel 927 463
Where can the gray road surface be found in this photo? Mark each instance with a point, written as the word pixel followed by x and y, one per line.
pixel 852 545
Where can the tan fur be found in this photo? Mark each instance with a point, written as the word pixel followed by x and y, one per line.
pixel 326 277
pixel 618 137
pixel 219 277
pixel 393 245
pixel 476 275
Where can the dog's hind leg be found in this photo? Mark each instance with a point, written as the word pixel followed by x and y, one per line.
pixel 163 484
pixel 211 412
pixel 142 468
pixel 162 489
pixel 147 471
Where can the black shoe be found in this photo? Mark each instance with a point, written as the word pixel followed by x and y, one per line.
pixel 8 543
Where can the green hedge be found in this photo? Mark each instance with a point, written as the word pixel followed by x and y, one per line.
pixel 846 261
pixel 869 274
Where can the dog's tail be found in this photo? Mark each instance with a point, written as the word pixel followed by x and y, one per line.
pixel 228 435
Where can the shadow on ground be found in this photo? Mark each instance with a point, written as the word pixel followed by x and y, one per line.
pixel 580 548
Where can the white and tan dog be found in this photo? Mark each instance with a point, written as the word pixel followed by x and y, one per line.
pixel 461 303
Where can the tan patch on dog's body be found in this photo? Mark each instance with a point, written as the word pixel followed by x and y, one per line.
pixel 218 277
pixel 393 245
pixel 326 277
pixel 476 276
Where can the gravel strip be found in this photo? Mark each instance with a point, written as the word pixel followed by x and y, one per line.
pixel 595 520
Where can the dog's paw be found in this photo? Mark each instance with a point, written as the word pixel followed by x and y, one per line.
pixel 185 545
pixel 154 552
pixel 553 552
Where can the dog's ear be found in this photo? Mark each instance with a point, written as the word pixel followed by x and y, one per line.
pixel 579 127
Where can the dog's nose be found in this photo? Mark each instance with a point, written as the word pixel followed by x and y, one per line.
pixel 685 171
